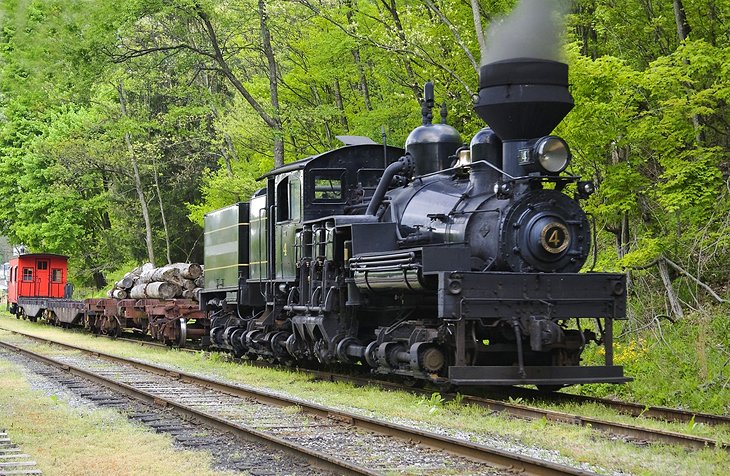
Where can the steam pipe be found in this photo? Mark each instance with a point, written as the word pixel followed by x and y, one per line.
pixel 403 165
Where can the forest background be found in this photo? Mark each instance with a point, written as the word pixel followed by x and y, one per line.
pixel 122 120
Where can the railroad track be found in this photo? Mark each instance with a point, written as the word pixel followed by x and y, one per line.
pixel 627 408
pixel 311 431
pixel 12 460
pixel 533 412
pixel 632 409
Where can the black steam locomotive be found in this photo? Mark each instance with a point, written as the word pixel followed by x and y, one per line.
pixel 439 262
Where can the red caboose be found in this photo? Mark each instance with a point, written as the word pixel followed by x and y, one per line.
pixel 36 276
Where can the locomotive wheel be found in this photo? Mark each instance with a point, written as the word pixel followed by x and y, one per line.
pixel 411 382
pixel 432 360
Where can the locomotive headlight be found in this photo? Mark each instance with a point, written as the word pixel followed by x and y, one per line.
pixel 552 154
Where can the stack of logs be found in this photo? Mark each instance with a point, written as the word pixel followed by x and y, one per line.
pixel 178 280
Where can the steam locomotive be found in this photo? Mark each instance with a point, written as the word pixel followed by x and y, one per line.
pixel 439 262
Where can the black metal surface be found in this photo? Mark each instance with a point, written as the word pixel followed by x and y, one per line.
pixel 446 258
pixel 536 375
pixel 523 98
pixel 373 238
pixel 557 295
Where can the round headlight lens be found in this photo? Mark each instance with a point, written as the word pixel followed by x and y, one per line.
pixel 553 154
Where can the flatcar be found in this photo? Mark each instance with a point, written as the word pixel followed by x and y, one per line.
pixel 38 289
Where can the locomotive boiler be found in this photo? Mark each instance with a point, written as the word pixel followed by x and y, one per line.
pixel 440 262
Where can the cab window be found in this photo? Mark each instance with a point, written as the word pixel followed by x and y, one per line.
pixel 328 185
pixel 27 274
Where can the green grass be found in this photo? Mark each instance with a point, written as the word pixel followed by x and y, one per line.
pixel 577 443
pixel 75 441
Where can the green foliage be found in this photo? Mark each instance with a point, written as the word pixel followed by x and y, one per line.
pixel 692 356
pixel 649 125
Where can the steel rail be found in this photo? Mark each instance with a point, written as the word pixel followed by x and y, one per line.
pixel 477 452
pixel 636 409
pixel 534 413
pixel 628 408
pixel 316 458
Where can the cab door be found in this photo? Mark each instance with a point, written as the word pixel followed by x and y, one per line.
pixel 288 220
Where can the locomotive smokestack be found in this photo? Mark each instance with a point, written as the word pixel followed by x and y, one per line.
pixel 523 89
pixel 523 98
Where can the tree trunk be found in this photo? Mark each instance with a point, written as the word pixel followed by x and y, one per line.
pixel 588 35
pixel 392 8
pixel 273 122
pixel 674 303
pixel 162 290
pixel 273 85
pixel 340 107
pixel 137 178
pixel 680 18
pixel 479 28
pixel 162 213
pixel 189 270
pixel 455 32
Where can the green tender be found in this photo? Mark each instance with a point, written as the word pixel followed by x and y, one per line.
pixel 226 246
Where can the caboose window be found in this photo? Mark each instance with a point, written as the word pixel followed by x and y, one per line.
pixel 56 276
pixel 27 274
pixel 43 265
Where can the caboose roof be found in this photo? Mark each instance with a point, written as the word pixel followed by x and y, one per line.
pixel 38 255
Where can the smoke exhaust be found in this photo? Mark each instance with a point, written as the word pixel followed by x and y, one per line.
pixel 523 98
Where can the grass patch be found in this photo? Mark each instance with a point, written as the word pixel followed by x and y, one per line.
pixel 73 441
pixel 685 364
pixel 579 444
